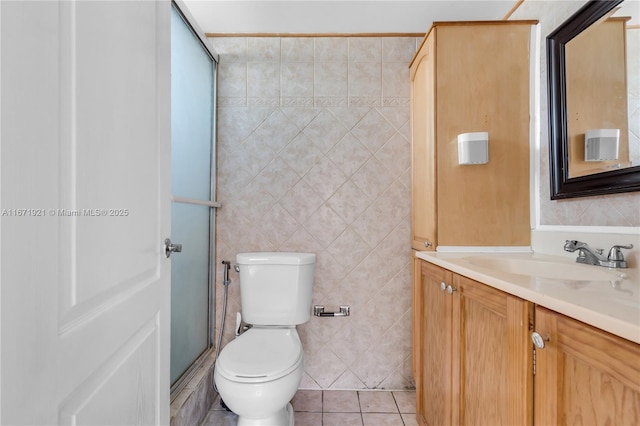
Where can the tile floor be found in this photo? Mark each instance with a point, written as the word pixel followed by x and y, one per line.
pixel 337 407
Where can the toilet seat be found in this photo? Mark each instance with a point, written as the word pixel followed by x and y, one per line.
pixel 260 355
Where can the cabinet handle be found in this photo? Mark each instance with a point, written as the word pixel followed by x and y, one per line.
pixel 538 340
pixel 443 286
pixel 451 289
pixel 428 244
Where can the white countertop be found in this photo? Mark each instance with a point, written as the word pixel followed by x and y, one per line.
pixel 611 305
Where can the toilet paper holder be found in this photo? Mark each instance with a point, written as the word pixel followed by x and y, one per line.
pixel 318 310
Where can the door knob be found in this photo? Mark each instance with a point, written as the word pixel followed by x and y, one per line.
pixel 538 340
pixel 169 247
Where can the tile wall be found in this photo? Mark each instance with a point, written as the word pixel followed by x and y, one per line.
pixel 609 210
pixel 314 155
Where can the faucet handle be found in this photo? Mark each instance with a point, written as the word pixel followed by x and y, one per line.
pixel 616 254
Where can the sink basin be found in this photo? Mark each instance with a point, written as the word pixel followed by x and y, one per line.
pixel 546 268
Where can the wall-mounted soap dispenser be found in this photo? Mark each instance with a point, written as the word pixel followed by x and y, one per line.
pixel 473 148
pixel 601 144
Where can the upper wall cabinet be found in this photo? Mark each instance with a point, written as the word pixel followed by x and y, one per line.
pixel 471 77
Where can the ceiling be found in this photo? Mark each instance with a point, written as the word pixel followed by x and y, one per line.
pixel 338 17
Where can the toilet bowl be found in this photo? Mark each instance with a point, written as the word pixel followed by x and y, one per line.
pixel 259 372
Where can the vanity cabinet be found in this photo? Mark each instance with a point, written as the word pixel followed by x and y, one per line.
pixel 584 375
pixel 472 351
pixel 474 360
pixel 471 77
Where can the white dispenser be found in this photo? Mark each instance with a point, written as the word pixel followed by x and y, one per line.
pixel 601 144
pixel 473 148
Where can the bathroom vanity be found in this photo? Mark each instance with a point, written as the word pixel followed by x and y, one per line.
pixel 503 338
pixel 474 358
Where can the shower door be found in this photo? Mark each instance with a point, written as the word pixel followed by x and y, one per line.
pixel 193 70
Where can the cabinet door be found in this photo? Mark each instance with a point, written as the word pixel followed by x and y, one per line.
pixel 435 395
pixel 483 88
pixel 417 313
pixel 492 358
pixel 584 376
pixel 423 195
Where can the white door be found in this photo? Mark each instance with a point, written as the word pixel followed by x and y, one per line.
pixel 84 202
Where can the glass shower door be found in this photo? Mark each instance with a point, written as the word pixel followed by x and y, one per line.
pixel 192 186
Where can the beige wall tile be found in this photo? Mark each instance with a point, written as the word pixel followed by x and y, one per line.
pixel 398 49
pixel 294 176
pixel 263 80
pixel 231 49
pixel 349 154
pixel 331 80
pixel 348 202
pixel 296 80
pixel 263 49
pixel 365 83
pixel 395 80
pixel 325 131
pixel 331 49
pixel 296 49
pixel 232 80
pixel 373 130
pixel 365 49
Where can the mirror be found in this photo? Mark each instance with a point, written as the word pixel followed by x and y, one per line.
pixel 593 83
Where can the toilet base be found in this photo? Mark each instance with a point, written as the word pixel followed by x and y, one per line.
pixel 283 417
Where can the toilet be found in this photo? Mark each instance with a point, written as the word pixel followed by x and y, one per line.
pixel 259 372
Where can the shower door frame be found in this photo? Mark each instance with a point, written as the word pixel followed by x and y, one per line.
pixel 184 379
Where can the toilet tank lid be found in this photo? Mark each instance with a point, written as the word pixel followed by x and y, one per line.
pixel 275 258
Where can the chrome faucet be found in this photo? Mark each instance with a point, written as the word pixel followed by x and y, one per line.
pixel 590 256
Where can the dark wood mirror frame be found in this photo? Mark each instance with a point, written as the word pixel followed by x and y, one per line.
pixel 610 182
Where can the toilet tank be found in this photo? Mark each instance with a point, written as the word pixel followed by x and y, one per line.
pixel 275 287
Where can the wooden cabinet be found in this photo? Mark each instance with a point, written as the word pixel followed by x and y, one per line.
pixel 434 351
pixel 473 351
pixel 584 376
pixel 423 148
pixel 473 360
pixel 471 77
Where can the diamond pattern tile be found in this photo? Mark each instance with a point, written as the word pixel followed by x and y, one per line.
pixel 373 130
pixel 330 180
pixel 325 131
